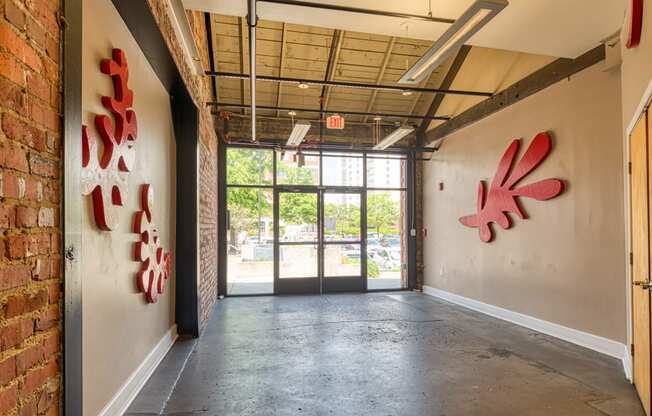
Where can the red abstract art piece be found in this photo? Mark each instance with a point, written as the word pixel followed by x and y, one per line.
pixel 105 177
pixel 635 25
pixel 502 197
pixel 156 264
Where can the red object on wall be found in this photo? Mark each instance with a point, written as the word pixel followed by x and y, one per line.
pixel 335 121
pixel 502 198
pixel 156 264
pixel 635 24
pixel 106 178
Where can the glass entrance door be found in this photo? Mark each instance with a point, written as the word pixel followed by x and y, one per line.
pixel 297 241
pixel 319 246
pixel 344 259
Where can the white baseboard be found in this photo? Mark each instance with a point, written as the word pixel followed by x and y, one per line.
pixel 584 339
pixel 130 389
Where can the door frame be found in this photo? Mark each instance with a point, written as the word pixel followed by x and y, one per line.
pixel 409 156
pixel 321 284
pixel 336 284
pixel 643 106
pixel 298 285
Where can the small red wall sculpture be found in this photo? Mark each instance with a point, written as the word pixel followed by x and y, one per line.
pixel 635 24
pixel 156 264
pixel 501 198
pixel 106 179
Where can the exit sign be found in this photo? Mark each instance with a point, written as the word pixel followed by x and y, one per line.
pixel 335 121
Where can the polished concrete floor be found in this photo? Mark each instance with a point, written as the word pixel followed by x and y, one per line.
pixel 396 353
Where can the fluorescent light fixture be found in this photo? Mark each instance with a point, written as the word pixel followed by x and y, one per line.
pixel 394 137
pixel 299 132
pixel 471 21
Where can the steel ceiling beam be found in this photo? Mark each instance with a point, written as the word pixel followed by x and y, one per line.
pixel 393 88
pixel 445 84
pixel 307 110
pixel 211 52
pixel 533 83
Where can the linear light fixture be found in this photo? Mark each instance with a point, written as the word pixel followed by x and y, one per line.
pixel 394 137
pixel 298 133
pixel 473 19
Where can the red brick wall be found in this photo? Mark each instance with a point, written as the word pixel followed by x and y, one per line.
pixel 30 198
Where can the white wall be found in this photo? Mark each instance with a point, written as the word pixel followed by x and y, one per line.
pixel 119 327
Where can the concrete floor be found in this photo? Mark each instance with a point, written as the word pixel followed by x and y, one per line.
pixel 378 354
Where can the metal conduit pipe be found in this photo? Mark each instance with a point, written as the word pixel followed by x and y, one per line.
pixel 379 87
pixel 251 21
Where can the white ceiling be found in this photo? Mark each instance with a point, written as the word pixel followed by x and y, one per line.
pixel 562 28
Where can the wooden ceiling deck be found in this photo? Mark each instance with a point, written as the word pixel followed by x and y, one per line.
pixel 298 51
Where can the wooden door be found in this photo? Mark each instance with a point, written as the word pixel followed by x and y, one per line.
pixel 640 232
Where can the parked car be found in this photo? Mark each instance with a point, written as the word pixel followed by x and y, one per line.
pixel 392 241
pixel 387 258
pixel 351 251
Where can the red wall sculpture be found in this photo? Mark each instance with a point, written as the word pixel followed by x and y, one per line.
pixel 635 24
pixel 502 197
pixel 106 179
pixel 156 264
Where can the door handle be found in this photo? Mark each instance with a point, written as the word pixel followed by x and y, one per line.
pixel 643 284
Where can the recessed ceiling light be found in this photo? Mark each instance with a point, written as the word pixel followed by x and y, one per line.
pixel 406 93
pixel 303 85
pixel 292 113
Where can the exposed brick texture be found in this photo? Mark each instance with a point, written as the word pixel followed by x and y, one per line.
pixel 199 87
pixel 30 265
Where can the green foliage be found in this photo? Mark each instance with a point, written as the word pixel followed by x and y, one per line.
pixel 373 270
pixel 382 213
pixel 249 166
pixel 298 208
pixel 347 218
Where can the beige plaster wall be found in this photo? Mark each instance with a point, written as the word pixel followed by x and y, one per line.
pixel 120 328
pixel 636 66
pixel 566 263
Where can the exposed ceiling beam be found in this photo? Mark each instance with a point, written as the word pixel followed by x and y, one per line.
pixel 242 24
pixel 381 74
pixel 281 66
pixel 308 110
pixel 271 128
pixel 333 58
pixel 208 22
pixel 393 88
pixel 282 118
pixel 445 84
pixel 418 95
pixel 533 83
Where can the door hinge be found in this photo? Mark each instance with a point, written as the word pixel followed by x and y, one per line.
pixel 631 348
pixel 629 167
pixel 631 258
